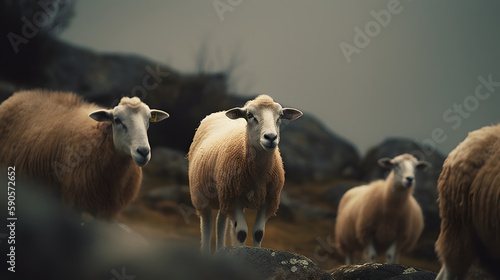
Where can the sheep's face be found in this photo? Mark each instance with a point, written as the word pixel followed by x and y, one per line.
pixel 130 121
pixel 404 168
pixel 264 117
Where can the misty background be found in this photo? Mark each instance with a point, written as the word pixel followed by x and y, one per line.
pixel 425 60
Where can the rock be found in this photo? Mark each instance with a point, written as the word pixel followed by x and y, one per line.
pixel 168 163
pixel 273 264
pixel 376 271
pixel 312 153
pixel 426 188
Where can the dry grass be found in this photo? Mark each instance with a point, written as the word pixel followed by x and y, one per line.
pixel 306 237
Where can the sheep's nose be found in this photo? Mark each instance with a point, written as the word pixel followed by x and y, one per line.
pixel 270 136
pixel 143 151
pixel 409 180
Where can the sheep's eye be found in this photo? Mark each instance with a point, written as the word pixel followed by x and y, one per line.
pixel 117 121
pixel 249 115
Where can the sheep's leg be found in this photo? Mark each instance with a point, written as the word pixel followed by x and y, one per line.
pixel 206 230
pixel 456 250
pixel 391 255
pixel 221 228
pixel 349 259
pixel 371 253
pixel 240 226
pixel 258 227
pixel 446 274
pixel 230 234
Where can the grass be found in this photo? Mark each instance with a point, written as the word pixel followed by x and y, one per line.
pixel 310 238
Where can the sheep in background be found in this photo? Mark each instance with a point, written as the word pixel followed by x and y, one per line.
pixel 234 163
pixel 54 137
pixel 469 204
pixel 383 215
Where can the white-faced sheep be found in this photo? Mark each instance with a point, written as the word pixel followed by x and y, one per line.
pixel 95 166
pixel 234 163
pixel 383 215
pixel 469 203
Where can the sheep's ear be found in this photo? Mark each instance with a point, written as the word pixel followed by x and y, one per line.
pixel 158 115
pixel 291 114
pixel 236 113
pixel 423 165
pixel 385 163
pixel 102 115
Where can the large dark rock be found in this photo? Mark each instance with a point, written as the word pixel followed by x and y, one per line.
pixel 168 164
pixel 426 181
pixel 376 271
pixel 274 264
pixel 312 153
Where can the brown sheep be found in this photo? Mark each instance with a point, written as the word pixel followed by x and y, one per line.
pixel 383 215
pixel 95 166
pixel 234 163
pixel 469 203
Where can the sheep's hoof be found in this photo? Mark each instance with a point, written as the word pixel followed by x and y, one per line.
pixel 258 236
pixel 242 236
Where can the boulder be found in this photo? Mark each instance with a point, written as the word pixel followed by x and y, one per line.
pixel 273 264
pixel 168 164
pixel 376 271
pixel 313 153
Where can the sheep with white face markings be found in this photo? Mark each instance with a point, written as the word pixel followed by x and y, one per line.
pixel 234 163
pixel 95 166
pixel 469 205
pixel 383 215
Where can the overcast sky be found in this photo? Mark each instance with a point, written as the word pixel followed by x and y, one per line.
pixel 408 75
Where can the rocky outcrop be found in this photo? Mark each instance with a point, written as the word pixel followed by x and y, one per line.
pixel 312 153
pixel 274 264
pixel 382 271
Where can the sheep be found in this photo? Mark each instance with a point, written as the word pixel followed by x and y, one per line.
pixel 91 155
pixel 383 215
pixel 469 203
pixel 235 163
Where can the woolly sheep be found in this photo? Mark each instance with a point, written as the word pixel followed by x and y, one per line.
pixel 469 203
pixel 234 163
pixel 95 166
pixel 383 215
